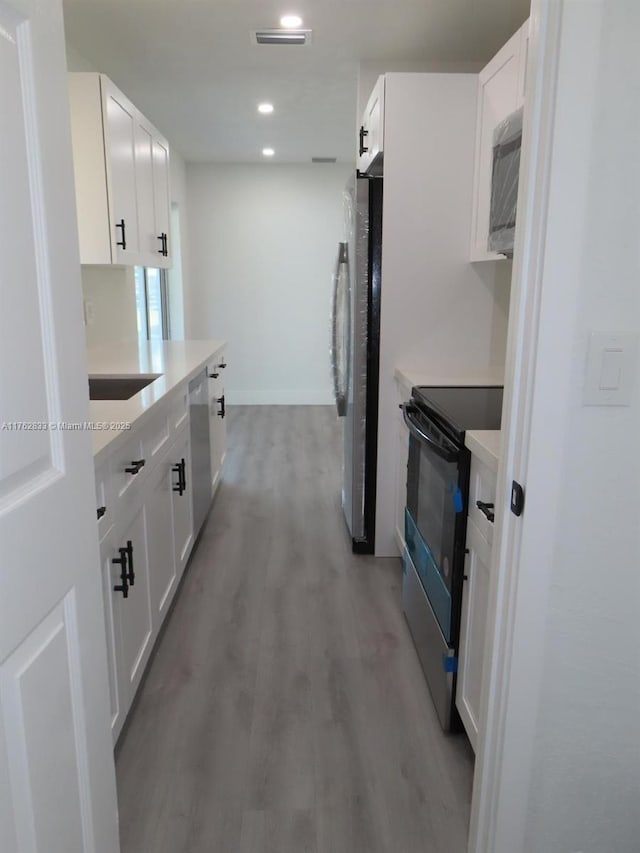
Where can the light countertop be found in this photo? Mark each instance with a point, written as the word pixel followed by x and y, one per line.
pixel 408 377
pixel 485 444
pixel 176 361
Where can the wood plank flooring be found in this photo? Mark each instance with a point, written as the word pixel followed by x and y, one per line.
pixel 285 710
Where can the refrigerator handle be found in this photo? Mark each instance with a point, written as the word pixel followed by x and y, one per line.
pixel 339 395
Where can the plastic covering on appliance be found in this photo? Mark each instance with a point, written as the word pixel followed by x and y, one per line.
pixel 507 141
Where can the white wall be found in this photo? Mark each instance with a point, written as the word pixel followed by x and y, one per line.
pixel 576 650
pixel 441 315
pixel 262 247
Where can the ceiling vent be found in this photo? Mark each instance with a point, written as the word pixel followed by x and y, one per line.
pixel 282 37
pixel 324 159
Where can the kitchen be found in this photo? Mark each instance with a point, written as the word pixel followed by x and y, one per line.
pixel 589 27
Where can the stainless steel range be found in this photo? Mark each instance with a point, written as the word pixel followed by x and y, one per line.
pixel 435 525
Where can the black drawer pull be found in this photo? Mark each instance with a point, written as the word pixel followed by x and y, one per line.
pixel 136 465
pixel 222 411
pixel 101 511
pixel 222 365
pixel 180 469
pixel 122 242
pixel 121 561
pixel 131 577
pixel 486 510
pixel 213 375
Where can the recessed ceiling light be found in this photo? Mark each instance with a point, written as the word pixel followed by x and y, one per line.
pixel 268 152
pixel 265 109
pixel 291 21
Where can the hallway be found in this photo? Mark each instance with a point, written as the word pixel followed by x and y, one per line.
pixel 285 710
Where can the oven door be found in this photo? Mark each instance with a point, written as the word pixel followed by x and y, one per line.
pixel 434 504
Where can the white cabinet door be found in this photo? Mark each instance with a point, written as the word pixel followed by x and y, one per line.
pixel 217 420
pixel 111 578
pixel 473 627
pixel 371 132
pixel 162 568
pixel 152 173
pixel 149 246
pixel 57 779
pixel 497 97
pixel 182 505
pixel 134 608
pixel 162 198
pixel 120 134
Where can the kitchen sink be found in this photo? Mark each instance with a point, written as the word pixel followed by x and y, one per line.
pixel 118 387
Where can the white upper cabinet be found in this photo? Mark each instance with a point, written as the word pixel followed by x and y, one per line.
pixel 371 132
pixel 501 86
pixel 121 166
pixel 152 171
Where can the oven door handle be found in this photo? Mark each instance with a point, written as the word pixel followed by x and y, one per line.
pixel 448 455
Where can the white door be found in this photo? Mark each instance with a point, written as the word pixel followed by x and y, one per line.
pixel 57 781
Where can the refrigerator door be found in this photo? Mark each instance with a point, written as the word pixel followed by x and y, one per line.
pixel 355 424
pixel 340 323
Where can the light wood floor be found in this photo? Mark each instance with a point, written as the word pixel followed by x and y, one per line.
pixel 285 710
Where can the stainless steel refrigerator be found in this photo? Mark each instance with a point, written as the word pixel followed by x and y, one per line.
pixel 356 353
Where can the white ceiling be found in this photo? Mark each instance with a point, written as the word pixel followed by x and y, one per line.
pixel 189 65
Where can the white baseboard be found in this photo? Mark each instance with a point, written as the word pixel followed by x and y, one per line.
pixel 278 398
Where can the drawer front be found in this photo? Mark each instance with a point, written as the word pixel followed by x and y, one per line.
pixel 124 464
pixel 104 499
pixel 155 438
pixel 482 488
pixel 179 411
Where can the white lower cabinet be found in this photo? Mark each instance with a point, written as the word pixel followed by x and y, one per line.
pixel 473 626
pixel 136 629
pixel 111 578
pixel 182 502
pixel 162 564
pixel 144 552
pixel 217 420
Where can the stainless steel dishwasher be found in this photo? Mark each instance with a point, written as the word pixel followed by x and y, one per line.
pixel 200 449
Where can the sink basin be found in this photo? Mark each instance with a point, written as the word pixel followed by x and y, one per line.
pixel 118 387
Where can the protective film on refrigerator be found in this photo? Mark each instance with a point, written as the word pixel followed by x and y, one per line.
pixel 340 321
pixel 507 143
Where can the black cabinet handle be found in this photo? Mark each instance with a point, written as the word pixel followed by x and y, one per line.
pixel 166 245
pixel 362 133
pixel 222 411
pixel 122 226
pixel 101 511
pixel 121 561
pixel 179 469
pixel 163 250
pixel 486 510
pixel 222 365
pixel 213 375
pixel 136 465
pixel 183 465
pixel 131 576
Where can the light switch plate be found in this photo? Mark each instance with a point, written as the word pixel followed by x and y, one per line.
pixel 612 367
